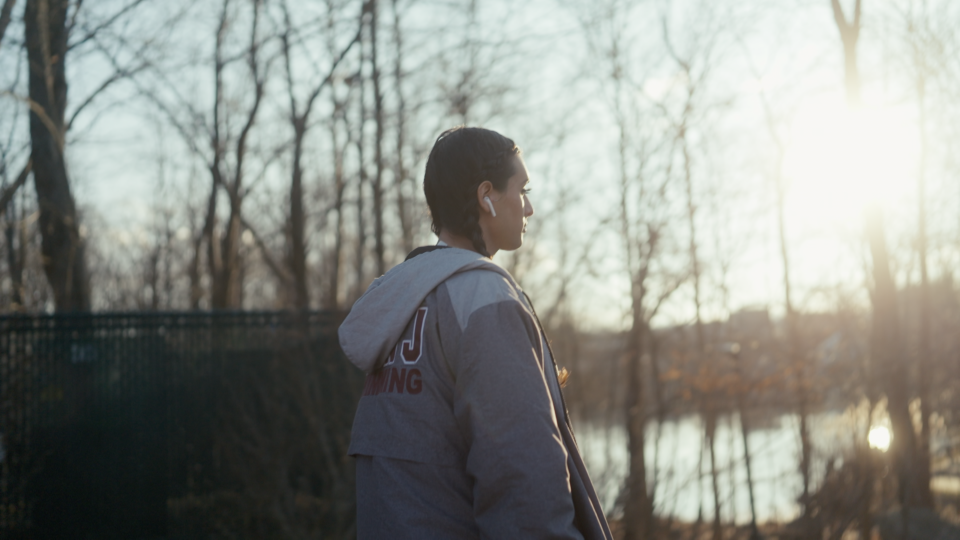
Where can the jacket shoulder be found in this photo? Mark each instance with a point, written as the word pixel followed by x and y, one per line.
pixel 471 290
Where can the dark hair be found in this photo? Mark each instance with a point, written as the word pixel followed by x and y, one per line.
pixel 461 159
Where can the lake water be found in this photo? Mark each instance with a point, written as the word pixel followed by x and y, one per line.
pixel 681 490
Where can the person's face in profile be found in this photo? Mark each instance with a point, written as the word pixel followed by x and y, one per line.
pixel 513 206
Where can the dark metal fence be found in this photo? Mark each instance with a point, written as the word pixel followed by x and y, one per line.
pixel 175 425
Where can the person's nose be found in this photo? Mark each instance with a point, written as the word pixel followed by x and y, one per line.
pixel 527 207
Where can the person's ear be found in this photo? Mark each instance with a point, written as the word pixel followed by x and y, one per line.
pixel 483 191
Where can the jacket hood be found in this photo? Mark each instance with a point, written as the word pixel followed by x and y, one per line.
pixel 379 317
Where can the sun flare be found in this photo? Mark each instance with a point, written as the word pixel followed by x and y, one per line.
pixel 879 438
pixel 837 162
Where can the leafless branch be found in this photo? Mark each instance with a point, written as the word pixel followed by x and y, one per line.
pixel 285 38
pixel 37 109
pixel 276 267
pixel 104 24
pixel 118 75
pixel 11 190
pixel 5 14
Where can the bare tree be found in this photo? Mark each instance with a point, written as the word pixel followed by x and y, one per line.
pixel 401 174
pixel 47 32
pixel 642 226
pixel 300 122
pixel 338 149
pixel 640 245
pixel 919 36
pixel 378 116
pixel 796 357
pixel 696 67
pixel 15 232
pixel 224 253
pixel 360 141
pixel 222 150
pixel 887 344
pixel 6 13
pixel 52 31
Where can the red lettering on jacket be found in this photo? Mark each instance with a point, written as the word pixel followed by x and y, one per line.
pixel 414 382
pixel 384 379
pixel 393 380
pixel 398 378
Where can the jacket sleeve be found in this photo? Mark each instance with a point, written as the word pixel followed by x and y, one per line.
pixel 502 403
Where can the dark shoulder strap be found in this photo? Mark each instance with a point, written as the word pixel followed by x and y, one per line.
pixel 423 249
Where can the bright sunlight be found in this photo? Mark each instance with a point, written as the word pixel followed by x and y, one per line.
pixel 837 161
pixel 879 438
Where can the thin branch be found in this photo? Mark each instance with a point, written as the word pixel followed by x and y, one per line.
pixel 171 115
pixel 670 49
pixel 93 33
pixel 277 269
pixel 276 154
pixel 37 109
pixel 73 18
pixel 5 15
pixel 12 189
pixel 296 116
pixel 672 287
pixel 118 75
pixel 259 83
pixel 848 30
pixel 332 71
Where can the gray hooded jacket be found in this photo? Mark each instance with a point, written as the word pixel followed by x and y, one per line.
pixel 461 432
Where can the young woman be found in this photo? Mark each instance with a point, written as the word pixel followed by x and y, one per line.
pixel 461 431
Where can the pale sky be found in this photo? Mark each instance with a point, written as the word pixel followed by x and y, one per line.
pixel 559 111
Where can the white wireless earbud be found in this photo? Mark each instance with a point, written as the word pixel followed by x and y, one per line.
pixel 490 206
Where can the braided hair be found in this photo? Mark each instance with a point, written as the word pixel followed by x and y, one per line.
pixel 462 158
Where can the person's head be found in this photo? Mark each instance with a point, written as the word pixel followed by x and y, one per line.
pixel 475 184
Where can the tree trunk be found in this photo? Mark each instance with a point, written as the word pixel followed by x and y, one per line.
pixel 925 497
pixel 359 284
pixel 333 290
pixel 64 262
pixel 400 172
pixel 887 350
pixel 206 236
pixel 711 440
pixel 850 35
pixel 745 435
pixel 298 248
pixel 886 338
pixel 16 235
pixel 638 512
pixel 228 278
pixel 210 237
pixel 707 407
pixel 378 143
pixel 661 412
pixel 5 15
pixel 794 350
pixel 226 290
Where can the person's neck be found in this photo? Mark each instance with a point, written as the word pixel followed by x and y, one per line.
pixel 457 241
